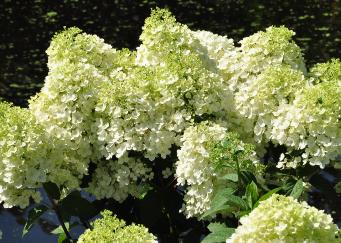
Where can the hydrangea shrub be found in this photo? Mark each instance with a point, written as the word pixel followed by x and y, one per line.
pixel 108 116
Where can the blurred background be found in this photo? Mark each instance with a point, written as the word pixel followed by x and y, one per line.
pixel 27 27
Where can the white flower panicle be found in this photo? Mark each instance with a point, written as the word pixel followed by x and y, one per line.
pixel 154 96
pixel 29 157
pixel 312 122
pixel 78 64
pixel 275 86
pixel 285 220
pixel 259 51
pixel 119 178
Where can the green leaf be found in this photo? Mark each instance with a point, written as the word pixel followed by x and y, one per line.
pixel 216 210
pixel 220 232
pixel 144 191
pixel 223 201
pixel 246 177
pixel 337 187
pixel 251 194
pixel 52 190
pixel 221 197
pixel 59 230
pixel 237 202
pixel 243 213
pixel 219 227
pixel 63 239
pixel 75 205
pixel 231 177
pixel 213 238
pixel 33 215
pixel 267 195
pixel 297 190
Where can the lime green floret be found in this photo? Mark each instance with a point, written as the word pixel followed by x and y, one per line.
pixel 325 95
pixel 284 219
pixel 232 154
pixel 323 100
pixel 21 151
pixel 327 71
pixel 278 83
pixel 71 45
pixel 111 229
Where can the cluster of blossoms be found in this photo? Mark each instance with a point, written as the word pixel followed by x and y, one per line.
pixel 257 52
pixel 312 122
pixel 118 178
pixel 67 108
pixel 208 153
pixel 274 99
pixel 152 96
pixel 111 229
pixel 78 64
pixel 30 157
pixel 158 91
pixel 284 219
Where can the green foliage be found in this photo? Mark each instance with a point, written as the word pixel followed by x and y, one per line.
pixel 338 187
pixel 219 233
pixel 251 194
pixel 232 153
pixel 33 215
pixel 297 189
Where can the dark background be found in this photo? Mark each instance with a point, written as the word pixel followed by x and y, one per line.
pixel 28 25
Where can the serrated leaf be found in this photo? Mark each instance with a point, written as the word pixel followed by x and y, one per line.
pixel 62 238
pixel 33 215
pixel 59 229
pixel 237 202
pixel 297 190
pixel 246 177
pixel 213 238
pixel 337 187
pixel 231 177
pixel 144 191
pixel 220 232
pixel 251 194
pixel 243 213
pixel 52 190
pixel 75 205
pixel 223 200
pixel 216 210
pixel 221 197
pixel 218 227
pixel 267 195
